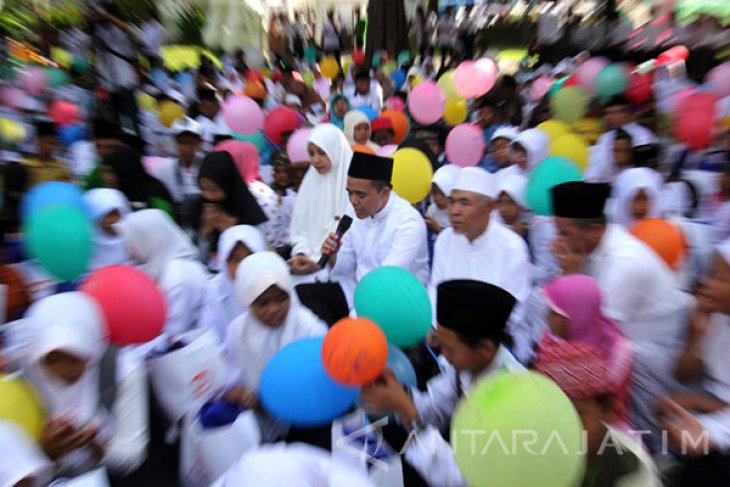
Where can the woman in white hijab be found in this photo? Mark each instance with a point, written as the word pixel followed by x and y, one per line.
pixel 636 195
pixel 169 257
pixel 357 129
pixel 274 318
pixel 220 306
pixel 107 206
pixel 528 150
pixel 322 198
pixel 437 214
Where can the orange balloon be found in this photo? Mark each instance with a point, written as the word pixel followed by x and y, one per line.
pixel 255 90
pixel 362 148
pixel 666 239
pixel 400 124
pixel 355 351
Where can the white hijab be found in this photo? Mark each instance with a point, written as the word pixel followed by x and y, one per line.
pixel 515 185
pixel 627 186
pixel 536 143
pixel 322 198
pixel 21 458
pixel 108 249
pixel 251 343
pixel 445 177
pixel 352 119
pixel 155 240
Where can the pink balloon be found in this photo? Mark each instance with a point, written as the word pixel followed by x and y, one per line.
pixel 719 80
pixel 12 96
pixel 395 103
pixel 473 79
pixel 541 86
pixel 694 126
pixel 427 102
pixel 465 145
pixel 63 112
pixel 297 148
pixel 34 80
pixel 588 71
pixel 387 150
pixel 243 115
pixel 153 164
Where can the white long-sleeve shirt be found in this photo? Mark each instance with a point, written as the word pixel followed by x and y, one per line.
pixel 372 99
pixel 600 162
pixel 183 283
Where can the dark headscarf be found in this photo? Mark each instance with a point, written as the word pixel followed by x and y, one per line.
pixel 220 168
pixel 134 182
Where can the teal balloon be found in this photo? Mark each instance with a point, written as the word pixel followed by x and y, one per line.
pixel 401 366
pixel 57 77
pixel 60 238
pixel 81 65
pixel 377 59
pixel 393 298
pixel 612 80
pixel 548 174
pixel 556 86
pixel 310 53
pixel 404 58
pixel 258 139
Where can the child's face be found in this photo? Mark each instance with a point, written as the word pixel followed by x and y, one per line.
pixel 462 356
pixel 361 134
pixel 237 255
pixel 622 153
pixel 340 108
pixel 281 177
pixel 500 153
pixel 187 146
pixel 558 324
pixel 363 85
pixel 519 156
pixel 640 205
pixel 271 307
pixel 441 200
pixel 109 177
pixel 486 116
pixel 319 159
pixel 210 191
pixel 64 366
pixel 107 222
pixel 434 145
pixel 208 108
pixel 47 145
pixel 509 210
pixel 383 137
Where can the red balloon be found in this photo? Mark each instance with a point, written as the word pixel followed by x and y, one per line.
pixel 358 57
pixel 640 87
pixel 572 81
pixel 281 120
pixel 63 112
pixel 133 306
pixel 694 125
pixel 253 75
pixel 673 55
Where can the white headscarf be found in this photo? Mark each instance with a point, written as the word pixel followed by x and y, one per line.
pixel 322 198
pixel 627 186
pixel 724 250
pixel 352 119
pixel 21 458
pixel 155 240
pixel 445 177
pixel 108 249
pixel 252 343
pixel 515 185
pixel 536 143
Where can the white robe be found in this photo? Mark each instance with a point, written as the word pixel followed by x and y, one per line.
pixel 600 162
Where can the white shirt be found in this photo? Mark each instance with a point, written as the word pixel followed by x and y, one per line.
pixel 717 380
pixel 373 98
pixel 395 236
pixel 600 162
pixel 183 283
pixel 211 128
pixel 180 181
pixel 153 34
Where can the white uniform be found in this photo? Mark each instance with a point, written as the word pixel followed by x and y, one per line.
pixel 600 163
pixel 213 127
pixel 373 99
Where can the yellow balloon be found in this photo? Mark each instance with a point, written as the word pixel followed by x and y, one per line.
pixel 589 128
pixel 147 102
pixel 446 83
pixel 554 128
pixel 62 57
pixel 412 173
pixel 456 112
pixel 329 67
pixel 20 404
pixel 416 81
pixel 169 112
pixel 266 72
pixel 573 147
pixel 12 132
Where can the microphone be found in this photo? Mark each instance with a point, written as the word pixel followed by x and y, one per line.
pixel 342 227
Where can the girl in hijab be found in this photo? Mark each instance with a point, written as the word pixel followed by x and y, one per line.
pixel 322 197
pixel 339 106
pixel 169 257
pixel 220 306
pixel 107 206
pixel 437 214
pixel 575 315
pixel 274 319
pixel 528 150
pixel 123 170
pixel 511 203
pixel 636 195
pixel 357 129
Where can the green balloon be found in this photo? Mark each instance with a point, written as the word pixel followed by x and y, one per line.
pixel 308 78
pixel 81 65
pixel 310 53
pixel 60 238
pixel 557 85
pixel 404 58
pixel 377 58
pixel 518 429
pixel 569 104
pixel 612 80
pixel 546 175
pixel 57 77
pixel 258 139
pixel 393 298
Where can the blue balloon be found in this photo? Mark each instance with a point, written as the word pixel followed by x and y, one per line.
pixel 369 112
pixel 51 193
pixel 296 389
pixel 70 134
pixel 401 366
pixel 399 78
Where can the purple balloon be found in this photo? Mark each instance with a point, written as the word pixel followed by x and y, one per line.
pixel 297 148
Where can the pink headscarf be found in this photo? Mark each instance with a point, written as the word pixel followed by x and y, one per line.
pixel 245 156
pixel 578 298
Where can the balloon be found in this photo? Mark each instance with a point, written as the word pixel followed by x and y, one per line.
pixel 12 97
pixel 255 90
pixel 70 134
pixel 329 67
pixel 310 53
pixel 400 124
pixel 401 366
pixel 554 128
pixel 569 104
pixel 57 77
pixel 34 80
pixel 487 422
pixel 147 103
pixel 417 80
pixel 308 78
pixel 572 147
pixel 588 71
pixel 664 238
pixel 133 306
pixel 465 145
pixel 376 59
pixel 612 80
pixel 396 300
pixel 571 81
pixel 169 112
pixel 20 404
pixel 297 148
pixel 556 86
pixel 694 125
pixel 295 388
pixel 369 112
pixel 62 57
pixel 412 173
pixel 358 56
pixel 395 103
pixel 11 131
pixel 399 78
pixel 404 58
pixel 540 87
pixel 546 175
pixel 51 193
pixel 63 112
pixel 446 82
pixel 354 351
pixel 427 103
pixel 254 58
pixel 60 237
pixel 671 56
pixel 640 88
pixel 387 150
pixel 456 112
pixel 281 120
pixel 363 149
pixel 719 80
pixel 473 79
pixel 258 139
pixel 588 128
pixel 243 115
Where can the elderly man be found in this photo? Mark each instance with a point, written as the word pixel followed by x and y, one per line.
pixel 477 247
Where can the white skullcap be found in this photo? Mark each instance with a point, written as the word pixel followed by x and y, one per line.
pixel 476 180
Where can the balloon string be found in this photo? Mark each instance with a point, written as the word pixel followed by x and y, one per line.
pixel 433 354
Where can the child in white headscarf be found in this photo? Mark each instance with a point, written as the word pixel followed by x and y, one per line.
pixel 274 318
pixel 107 206
pixel 636 195
pixel 22 462
pixel 220 306
pixel 357 129
pixel 437 214
pixel 512 204
pixel 169 257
